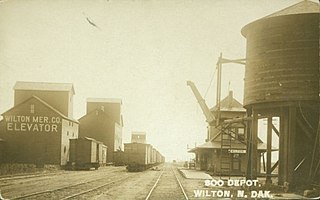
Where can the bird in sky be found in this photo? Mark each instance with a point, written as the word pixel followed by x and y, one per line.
pixel 91 22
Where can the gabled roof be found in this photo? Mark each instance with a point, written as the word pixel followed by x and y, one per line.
pixel 104 100
pixel 299 8
pixel 44 86
pixel 229 104
pixel 45 104
pixel 93 112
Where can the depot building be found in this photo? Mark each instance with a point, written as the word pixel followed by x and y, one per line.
pixel 38 127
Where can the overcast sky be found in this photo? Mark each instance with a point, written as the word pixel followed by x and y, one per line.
pixel 142 51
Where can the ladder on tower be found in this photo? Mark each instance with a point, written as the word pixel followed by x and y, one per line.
pixel 225 156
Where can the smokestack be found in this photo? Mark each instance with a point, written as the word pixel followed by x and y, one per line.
pixel 230 98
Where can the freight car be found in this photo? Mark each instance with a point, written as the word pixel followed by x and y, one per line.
pixel 120 158
pixel 159 158
pixel 140 156
pixel 86 153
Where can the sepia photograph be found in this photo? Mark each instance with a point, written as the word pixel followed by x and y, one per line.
pixel 159 99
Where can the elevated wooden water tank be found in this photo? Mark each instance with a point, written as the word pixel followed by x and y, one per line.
pixel 283 56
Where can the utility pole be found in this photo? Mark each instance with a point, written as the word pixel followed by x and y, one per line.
pixel 222 60
pixel 218 89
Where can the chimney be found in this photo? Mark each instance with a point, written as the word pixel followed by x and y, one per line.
pixel 230 99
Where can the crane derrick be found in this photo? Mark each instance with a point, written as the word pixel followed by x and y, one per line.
pixel 205 109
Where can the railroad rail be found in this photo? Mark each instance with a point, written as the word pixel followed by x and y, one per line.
pixel 35 194
pixel 6 181
pixel 96 188
pixel 167 186
pixel 64 192
pixel 24 176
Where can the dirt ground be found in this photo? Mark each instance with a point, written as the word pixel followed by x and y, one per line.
pixel 133 185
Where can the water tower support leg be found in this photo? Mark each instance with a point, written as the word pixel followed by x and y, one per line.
pixel 291 144
pixel 282 146
pixel 269 144
pixel 252 148
pixel 288 123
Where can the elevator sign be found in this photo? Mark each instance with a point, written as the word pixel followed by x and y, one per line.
pixel 25 123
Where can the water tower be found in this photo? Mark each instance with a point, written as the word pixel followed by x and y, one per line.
pixel 282 80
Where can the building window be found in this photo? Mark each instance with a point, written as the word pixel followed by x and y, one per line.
pixel 72 134
pixel 32 108
pixel 64 149
pixel 241 134
pixel 67 133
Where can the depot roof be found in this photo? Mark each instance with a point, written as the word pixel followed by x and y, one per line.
pixel 240 146
pixel 230 104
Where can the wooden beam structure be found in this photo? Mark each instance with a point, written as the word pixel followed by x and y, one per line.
pixel 291 144
pixel 269 146
pixel 253 148
pixel 283 150
pixel 275 130
pixel 249 145
pixel 218 97
pixel 274 166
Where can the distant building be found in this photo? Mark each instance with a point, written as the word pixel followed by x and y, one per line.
pixel 109 105
pixel 35 131
pixel 103 122
pixel 138 137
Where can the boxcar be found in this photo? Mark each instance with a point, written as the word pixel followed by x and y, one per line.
pixel 139 156
pixel 120 158
pixel 103 153
pixel 86 153
pixel 154 155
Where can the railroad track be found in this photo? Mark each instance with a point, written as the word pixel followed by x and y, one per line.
pixel 24 176
pixel 167 186
pixel 14 188
pixel 13 180
pixel 75 190
pixel 35 175
pixel 7 181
